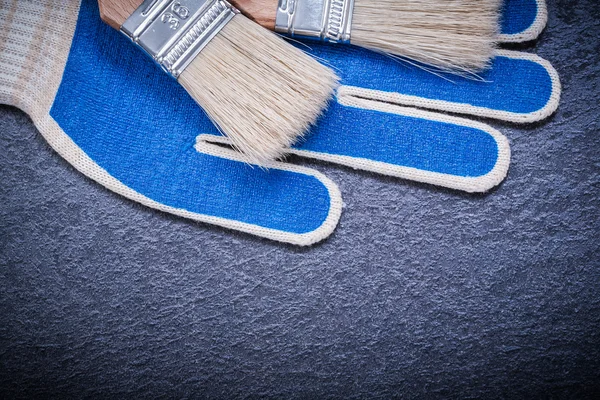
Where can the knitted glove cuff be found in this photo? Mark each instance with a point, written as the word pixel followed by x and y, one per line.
pixel 35 39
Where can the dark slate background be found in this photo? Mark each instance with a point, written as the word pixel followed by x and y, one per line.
pixel 421 292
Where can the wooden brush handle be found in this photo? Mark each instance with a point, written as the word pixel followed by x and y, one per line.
pixel 263 12
pixel 116 12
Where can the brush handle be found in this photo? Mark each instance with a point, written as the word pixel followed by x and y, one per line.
pixel 263 12
pixel 116 12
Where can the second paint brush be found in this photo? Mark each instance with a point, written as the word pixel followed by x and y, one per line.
pixel 454 35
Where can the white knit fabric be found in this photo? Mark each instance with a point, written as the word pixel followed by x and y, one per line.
pixel 35 38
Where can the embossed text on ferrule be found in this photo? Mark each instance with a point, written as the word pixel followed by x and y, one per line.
pixel 326 20
pixel 173 32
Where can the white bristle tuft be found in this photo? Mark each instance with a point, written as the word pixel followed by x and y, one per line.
pixel 454 35
pixel 262 92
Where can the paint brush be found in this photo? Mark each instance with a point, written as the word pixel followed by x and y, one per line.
pixel 452 35
pixel 262 92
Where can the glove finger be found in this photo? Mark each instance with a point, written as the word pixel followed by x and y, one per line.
pixel 285 203
pixel 410 144
pixel 519 87
pixel 522 20
pixel 404 142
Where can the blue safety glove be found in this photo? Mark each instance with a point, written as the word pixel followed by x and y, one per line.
pixel 118 119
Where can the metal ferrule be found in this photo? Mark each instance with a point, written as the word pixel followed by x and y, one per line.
pixel 174 32
pixel 325 20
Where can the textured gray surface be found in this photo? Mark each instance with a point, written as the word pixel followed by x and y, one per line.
pixel 421 292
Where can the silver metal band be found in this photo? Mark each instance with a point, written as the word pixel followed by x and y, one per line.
pixel 173 32
pixel 326 20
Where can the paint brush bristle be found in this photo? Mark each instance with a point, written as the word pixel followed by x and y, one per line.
pixel 262 92
pixel 456 35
